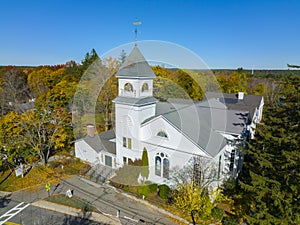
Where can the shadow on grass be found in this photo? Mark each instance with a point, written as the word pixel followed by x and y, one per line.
pixel 6 177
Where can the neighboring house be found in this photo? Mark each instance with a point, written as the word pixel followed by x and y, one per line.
pixel 97 148
pixel 172 132
pixel 22 107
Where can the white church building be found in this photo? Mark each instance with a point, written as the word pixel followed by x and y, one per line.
pixel 172 132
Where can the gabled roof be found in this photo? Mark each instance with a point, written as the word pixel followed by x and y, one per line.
pixel 23 107
pixel 186 118
pixel 101 142
pixel 248 103
pixel 135 66
pixel 202 122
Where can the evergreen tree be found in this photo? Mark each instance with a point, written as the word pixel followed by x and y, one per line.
pixel 271 174
pixel 122 57
pixel 145 164
pixel 88 60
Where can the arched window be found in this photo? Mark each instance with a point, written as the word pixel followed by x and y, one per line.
pixel 157 166
pixel 162 165
pixel 145 87
pixel 128 87
pixel 162 134
pixel 166 168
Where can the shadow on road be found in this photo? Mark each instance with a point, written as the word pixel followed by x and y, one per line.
pixel 4 200
pixel 70 220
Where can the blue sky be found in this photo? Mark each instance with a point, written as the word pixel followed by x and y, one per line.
pixel 225 34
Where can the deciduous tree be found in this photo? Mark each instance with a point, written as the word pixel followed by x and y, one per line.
pixel 46 131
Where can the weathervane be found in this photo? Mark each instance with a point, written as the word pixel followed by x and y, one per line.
pixel 136 23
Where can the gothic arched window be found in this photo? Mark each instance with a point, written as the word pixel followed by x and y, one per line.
pixel 162 165
pixel 157 166
pixel 145 87
pixel 166 168
pixel 128 87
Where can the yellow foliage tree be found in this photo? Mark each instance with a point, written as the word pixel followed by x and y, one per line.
pixel 10 137
pixel 234 83
pixel 190 197
pixel 46 131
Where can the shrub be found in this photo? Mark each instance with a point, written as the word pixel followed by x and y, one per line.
pixel 164 191
pixel 230 221
pixel 126 188
pixel 143 190
pixel 153 188
pixel 217 213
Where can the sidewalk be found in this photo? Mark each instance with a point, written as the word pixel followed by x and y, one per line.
pixel 106 219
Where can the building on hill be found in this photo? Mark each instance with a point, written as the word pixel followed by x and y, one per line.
pixel 173 133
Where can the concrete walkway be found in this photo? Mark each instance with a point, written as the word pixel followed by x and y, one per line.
pixel 106 219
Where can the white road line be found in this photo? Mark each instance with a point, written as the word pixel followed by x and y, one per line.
pixel 128 218
pixel 12 212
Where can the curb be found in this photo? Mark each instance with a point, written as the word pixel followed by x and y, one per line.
pixel 4 193
pixel 76 212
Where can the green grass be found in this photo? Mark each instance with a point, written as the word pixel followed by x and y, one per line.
pixel 74 202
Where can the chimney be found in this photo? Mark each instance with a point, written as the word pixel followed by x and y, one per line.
pixel 90 130
pixel 240 95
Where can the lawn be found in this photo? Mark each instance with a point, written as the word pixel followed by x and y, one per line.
pixel 39 175
pixel 74 202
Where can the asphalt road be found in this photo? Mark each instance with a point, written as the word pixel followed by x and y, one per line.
pixel 37 216
pixel 104 198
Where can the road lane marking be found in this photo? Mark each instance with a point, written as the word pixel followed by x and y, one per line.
pixel 12 212
pixel 11 223
pixel 128 218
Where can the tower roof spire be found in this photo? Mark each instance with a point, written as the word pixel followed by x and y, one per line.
pixel 135 66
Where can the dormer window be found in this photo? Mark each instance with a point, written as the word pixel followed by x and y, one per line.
pixel 145 87
pixel 162 134
pixel 128 87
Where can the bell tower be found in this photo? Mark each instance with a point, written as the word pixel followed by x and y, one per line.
pixel 135 103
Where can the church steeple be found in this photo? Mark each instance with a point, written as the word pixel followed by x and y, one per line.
pixel 135 76
pixel 134 104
